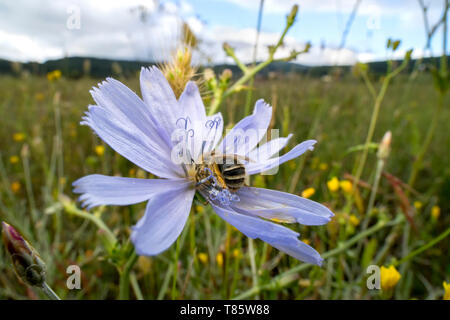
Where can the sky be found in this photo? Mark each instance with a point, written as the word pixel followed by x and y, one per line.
pixel 149 30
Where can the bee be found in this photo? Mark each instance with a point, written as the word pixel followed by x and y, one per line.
pixel 224 171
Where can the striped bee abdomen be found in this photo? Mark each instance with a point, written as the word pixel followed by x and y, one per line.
pixel 233 175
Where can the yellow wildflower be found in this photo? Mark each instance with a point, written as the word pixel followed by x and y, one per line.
pixel 14 159
pixel 307 241
pixel 307 193
pixel 323 166
pixel 39 96
pixel 54 75
pixel 333 184
pixel 236 253
pixel 219 259
pixel 199 208
pixel 15 186
pixel 203 257
pixel 346 185
pixel 446 290
pixel 418 205
pixel 18 136
pixel 435 212
pixel 100 150
pixel 354 220
pixel 132 172
pixel 389 277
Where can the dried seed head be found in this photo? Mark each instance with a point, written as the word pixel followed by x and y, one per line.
pixel 178 70
pixel 27 264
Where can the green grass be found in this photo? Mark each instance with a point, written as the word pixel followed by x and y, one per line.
pixel 56 151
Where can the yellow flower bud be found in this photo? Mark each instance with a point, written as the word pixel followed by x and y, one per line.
pixel 199 208
pixel 389 277
pixel 15 186
pixel 203 257
pixel 219 259
pixel 446 290
pixel 354 220
pixel 435 212
pixel 100 150
pixel 307 193
pixel 333 184
pixel 14 159
pixel 346 186
pixel 18 136
pixel 418 205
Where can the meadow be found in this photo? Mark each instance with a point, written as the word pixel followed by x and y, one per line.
pixel 44 149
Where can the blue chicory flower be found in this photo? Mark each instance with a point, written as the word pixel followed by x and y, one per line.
pixel 145 132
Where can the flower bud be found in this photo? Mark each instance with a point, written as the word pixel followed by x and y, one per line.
pixel 385 146
pixel 292 14
pixel 27 264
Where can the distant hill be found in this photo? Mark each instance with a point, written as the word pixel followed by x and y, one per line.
pixel 75 67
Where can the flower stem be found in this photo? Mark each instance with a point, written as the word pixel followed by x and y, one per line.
pixel 289 276
pixel 49 292
pixel 72 209
pixel 440 237
pixel 175 270
pixel 124 281
pixel 429 137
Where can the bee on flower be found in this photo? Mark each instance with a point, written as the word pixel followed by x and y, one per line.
pixel 175 140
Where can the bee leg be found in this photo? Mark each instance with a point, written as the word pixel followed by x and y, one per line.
pixel 204 180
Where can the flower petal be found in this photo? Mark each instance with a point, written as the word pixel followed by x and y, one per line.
pixel 98 189
pixel 253 168
pixel 164 219
pixel 160 99
pixel 285 207
pixel 246 134
pixel 130 111
pixel 192 104
pixel 131 144
pixel 280 237
pixel 269 149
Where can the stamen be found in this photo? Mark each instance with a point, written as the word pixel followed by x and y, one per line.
pixel 224 196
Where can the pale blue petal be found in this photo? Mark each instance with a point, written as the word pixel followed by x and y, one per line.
pixel 160 99
pixel 164 219
pixel 280 237
pixel 298 150
pixel 246 134
pixel 98 189
pixel 130 111
pixel 213 131
pixel 191 103
pixel 286 207
pixel 269 149
pixel 131 144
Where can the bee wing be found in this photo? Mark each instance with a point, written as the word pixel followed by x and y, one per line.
pixel 231 157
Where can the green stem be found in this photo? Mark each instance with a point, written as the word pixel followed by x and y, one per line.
pixel 249 73
pixel 175 270
pixel 72 209
pixel 251 253
pixel 429 137
pixel 439 238
pixel 124 281
pixel 373 122
pixel 49 292
pixel 288 276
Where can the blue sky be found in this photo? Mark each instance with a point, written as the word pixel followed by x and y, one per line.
pixel 38 31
